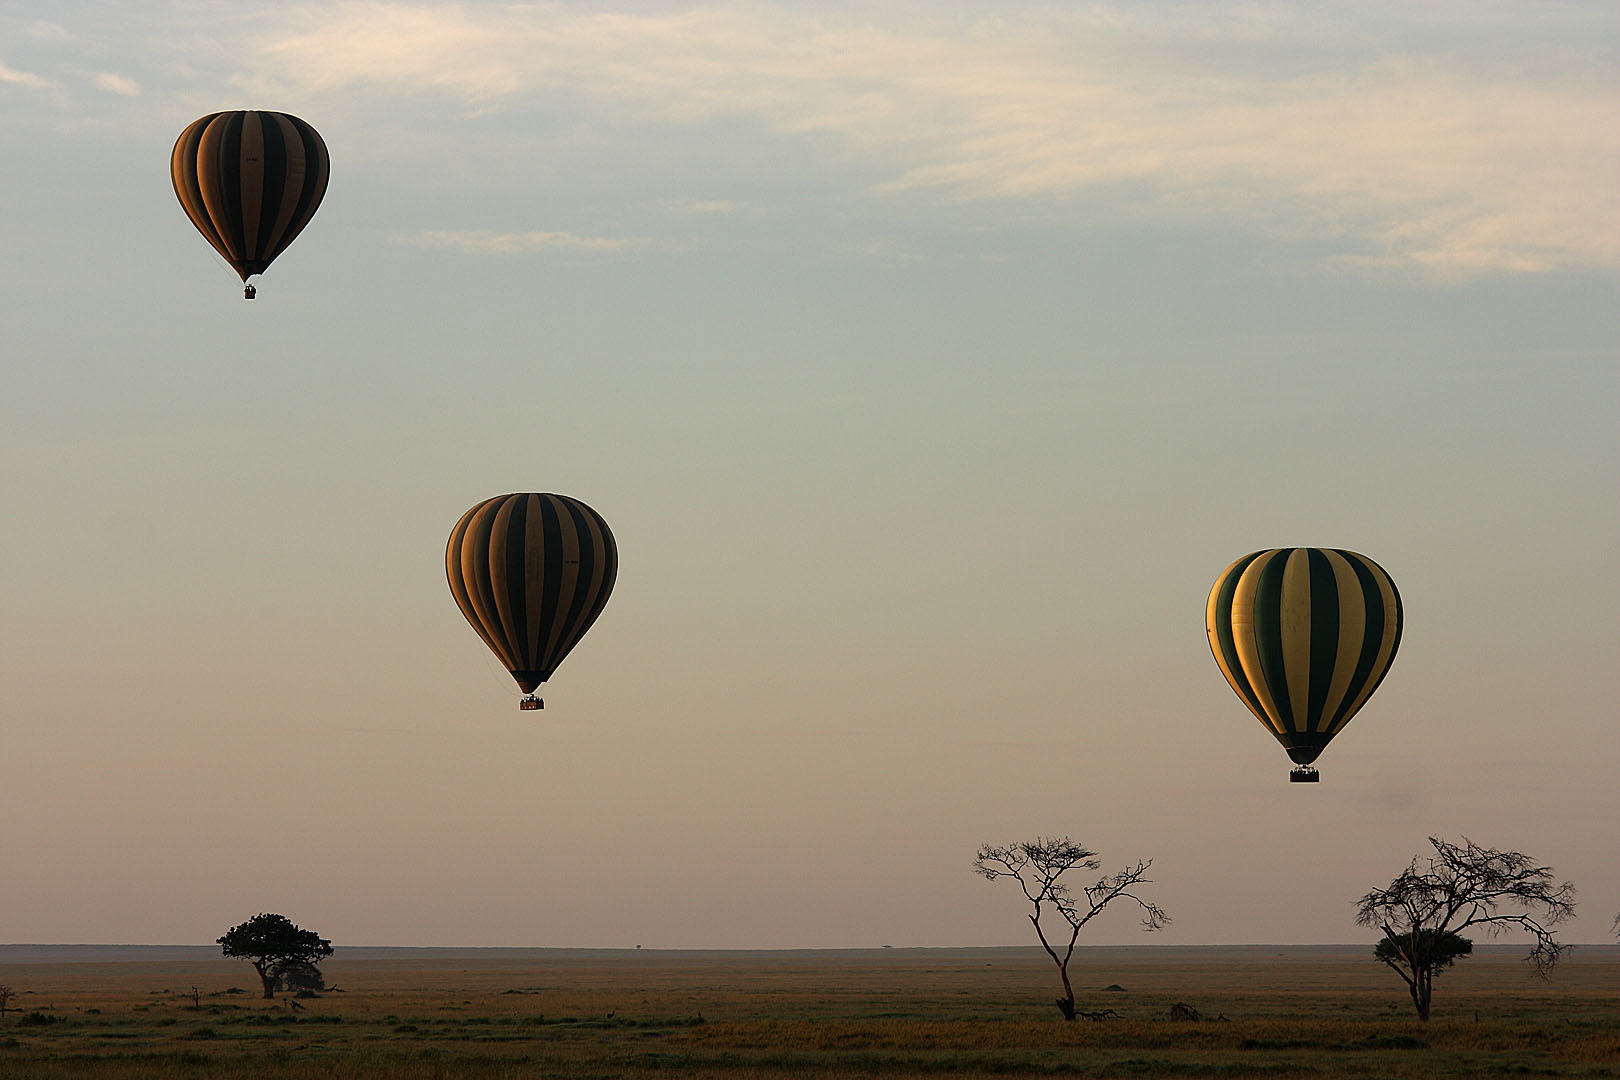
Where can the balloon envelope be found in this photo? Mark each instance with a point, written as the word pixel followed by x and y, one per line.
pixel 1304 636
pixel 250 181
pixel 531 572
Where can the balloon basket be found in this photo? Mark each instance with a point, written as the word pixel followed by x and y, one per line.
pixel 531 703
pixel 1304 775
pixel 249 292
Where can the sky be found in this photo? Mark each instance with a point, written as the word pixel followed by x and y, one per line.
pixel 928 365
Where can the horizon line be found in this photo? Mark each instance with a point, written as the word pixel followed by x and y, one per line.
pixel 1505 945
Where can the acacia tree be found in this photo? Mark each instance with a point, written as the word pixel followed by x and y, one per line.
pixel 1038 866
pixel 6 994
pixel 1424 911
pixel 275 947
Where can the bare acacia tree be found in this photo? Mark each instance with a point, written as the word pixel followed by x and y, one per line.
pixel 6 994
pixel 1038 866
pixel 1424 911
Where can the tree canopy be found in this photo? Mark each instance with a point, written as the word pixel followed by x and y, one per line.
pixel 275 946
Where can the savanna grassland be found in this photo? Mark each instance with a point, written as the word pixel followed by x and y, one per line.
pixel 1314 1012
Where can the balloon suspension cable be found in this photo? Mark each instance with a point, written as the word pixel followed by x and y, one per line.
pixel 530 703
pixel 1304 775
pixel 249 292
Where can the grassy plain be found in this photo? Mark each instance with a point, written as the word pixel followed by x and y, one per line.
pixel 1313 1012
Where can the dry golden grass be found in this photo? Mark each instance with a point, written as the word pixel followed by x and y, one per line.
pixel 901 1013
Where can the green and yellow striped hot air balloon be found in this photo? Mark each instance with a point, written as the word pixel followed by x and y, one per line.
pixel 531 572
pixel 1304 635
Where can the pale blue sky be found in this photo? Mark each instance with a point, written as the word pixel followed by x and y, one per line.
pixel 928 368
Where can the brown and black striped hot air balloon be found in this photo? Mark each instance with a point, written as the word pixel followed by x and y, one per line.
pixel 1304 635
pixel 250 181
pixel 531 572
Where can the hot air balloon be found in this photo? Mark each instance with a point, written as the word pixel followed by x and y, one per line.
pixel 1304 635
pixel 250 181
pixel 531 572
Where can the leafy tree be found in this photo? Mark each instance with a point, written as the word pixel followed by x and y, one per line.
pixel 1423 911
pixel 1038 866
pixel 275 947
pixel 303 977
pixel 1419 958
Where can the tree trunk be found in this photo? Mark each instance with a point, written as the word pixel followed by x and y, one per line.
pixel 1422 989
pixel 1065 1003
pixel 269 979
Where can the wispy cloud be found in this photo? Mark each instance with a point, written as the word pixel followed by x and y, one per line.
pixel 14 77
pixel 1438 159
pixel 42 30
pixel 118 84
pixel 1409 162
pixel 487 242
